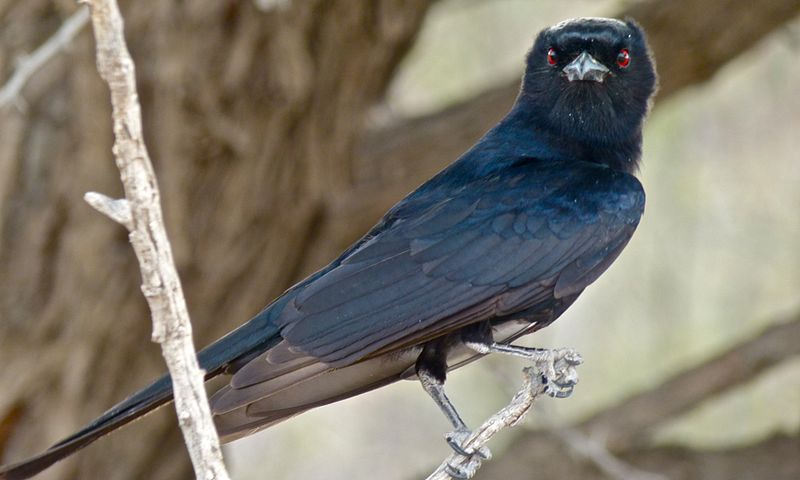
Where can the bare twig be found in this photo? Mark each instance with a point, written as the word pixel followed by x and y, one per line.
pixel 141 213
pixel 511 415
pixel 30 64
pixel 596 452
pixel 118 210
pixel 629 425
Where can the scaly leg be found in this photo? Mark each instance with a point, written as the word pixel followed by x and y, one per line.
pixel 431 369
pixel 559 385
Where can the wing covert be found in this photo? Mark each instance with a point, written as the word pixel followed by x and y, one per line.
pixel 500 242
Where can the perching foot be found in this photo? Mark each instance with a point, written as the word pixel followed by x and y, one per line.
pixel 457 441
pixel 557 368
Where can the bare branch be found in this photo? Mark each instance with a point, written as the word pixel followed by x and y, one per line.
pixel 161 285
pixel 30 64
pixel 630 424
pixel 118 210
pixel 596 452
pixel 534 386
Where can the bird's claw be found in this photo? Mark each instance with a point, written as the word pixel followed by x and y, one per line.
pixel 458 438
pixel 463 471
pixel 557 369
pixel 556 389
pixel 456 446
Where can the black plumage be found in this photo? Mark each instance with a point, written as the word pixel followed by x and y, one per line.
pixel 496 246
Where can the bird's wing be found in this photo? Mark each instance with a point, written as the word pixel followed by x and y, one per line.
pixel 492 247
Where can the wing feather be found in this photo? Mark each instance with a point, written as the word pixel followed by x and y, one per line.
pixel 444 260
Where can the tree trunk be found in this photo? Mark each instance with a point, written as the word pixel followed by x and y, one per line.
pixel 250 116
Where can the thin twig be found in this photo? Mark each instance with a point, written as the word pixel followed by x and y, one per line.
pixel 628 426
pixel 142 212
pixel 30 64
pixel 118 210
pixel 598 454
pixel 511 415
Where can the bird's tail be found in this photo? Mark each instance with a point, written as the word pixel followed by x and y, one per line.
pixel 256 334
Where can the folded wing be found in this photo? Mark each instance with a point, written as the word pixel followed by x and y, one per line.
pixel 495 246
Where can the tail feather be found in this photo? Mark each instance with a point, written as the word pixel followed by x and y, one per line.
pixel 156 394
pixel 246 341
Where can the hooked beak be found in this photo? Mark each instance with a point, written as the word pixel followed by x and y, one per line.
pixel 585 67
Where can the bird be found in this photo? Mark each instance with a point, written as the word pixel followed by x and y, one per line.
pixel 495 246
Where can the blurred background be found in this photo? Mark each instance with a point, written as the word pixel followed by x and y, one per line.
pixel 281 130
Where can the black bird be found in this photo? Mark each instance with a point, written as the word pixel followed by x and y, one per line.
pixel 494 247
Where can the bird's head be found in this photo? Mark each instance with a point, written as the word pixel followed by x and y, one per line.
pixel 591 79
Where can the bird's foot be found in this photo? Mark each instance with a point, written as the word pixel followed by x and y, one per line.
pixel 457 440
pixel 464 470
pixel 557 369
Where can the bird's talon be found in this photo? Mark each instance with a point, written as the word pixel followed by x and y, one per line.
pixel 458 438
pixel 563 393
pixel 456 471
pixel 565 385
pixel 464 471
pixel 557 388
pixel 483 453
pixel 457 447
pixel 558 375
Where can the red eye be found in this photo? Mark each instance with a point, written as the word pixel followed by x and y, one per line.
pixel 623 58
pixel 552 57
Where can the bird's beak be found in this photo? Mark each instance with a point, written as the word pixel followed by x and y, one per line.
pixel 585 67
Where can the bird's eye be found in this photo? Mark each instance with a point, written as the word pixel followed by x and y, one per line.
pixel 552 57
pixel 624 58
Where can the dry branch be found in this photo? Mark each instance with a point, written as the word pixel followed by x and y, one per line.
pixel 511 415
pixel 629 424
pixel 30 64
pixel 140 212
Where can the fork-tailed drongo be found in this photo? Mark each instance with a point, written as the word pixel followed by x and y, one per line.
pixel 495 246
